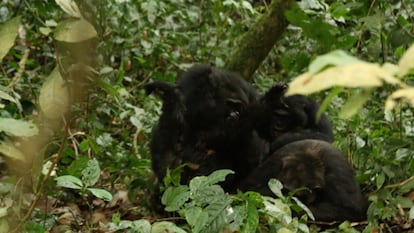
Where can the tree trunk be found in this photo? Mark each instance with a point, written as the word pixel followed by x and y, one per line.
pixel 255 44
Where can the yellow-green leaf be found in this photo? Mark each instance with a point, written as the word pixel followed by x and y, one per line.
pixel 406 94
pixel 54 96
pixel 18 128
pixel 361 74
pixel 9 150
pixel 406 61
pixel 70 7
pixel 334 58
pixel 8 33
pixel 354 104
pixel 74 30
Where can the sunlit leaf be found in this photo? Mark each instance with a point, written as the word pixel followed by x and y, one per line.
pixel 334 58
pixel 8 33
pixel 54 96
pixel 101 193
pixel 406 61
pixel 405 94
pixel 69 181
pixel 3 211
pixel 18 128
pixel 70 7
pixel 354 104
pixel 73 31
pixel 9 150
pixel 361 74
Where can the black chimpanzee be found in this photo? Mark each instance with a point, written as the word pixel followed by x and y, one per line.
pixel 331 192
pixel 281 120
pixel 206 124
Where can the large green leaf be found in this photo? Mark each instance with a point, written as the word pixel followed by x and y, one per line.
pixel 8 33
pixel 74 31
pixel 18 128
pixel 54 96
pixel 69 181
pixel 101 193
pixel 90 175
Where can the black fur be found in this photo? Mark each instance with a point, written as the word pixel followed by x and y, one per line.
pixel 206 124
pixel 332 195
pixel 281 120
pixel 166 143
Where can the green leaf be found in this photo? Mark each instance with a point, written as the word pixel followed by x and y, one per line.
pixel 334 58
pixel 70 7
pixel 406 62
pixel 380 180
pixel 252 219
pixel 4 95
pixel 18 128
pixel 162 227
pixel 175 197
pixel 3 211
pixel 196 217
pixel 411 213
pixel 354 103
pixel 201 182
pixel 74 31
pixel 54 96
pixel 304 207
pixel 276 187
pixel 101 193
pixel 90 175
pixel 4 226
pixel 69 181
pixel 8 33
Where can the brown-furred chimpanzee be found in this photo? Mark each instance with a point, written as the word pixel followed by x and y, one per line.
pixel 206 124
pixel 331 193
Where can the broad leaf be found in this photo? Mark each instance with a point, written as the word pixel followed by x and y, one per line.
pixel 197 218
pixel 406 61
pixel 354 103
pixel 175 197
pixel 90 175
pixel 74 31
pixel 163 227
pixel 334 58
pixel 276 187
pixel 9 150
pixel 18 128
pixel 54 96
pixel 69 181
pixel 361 74
pixel 8 33
pixel 70 7
pixel 101 193
pixel 406 94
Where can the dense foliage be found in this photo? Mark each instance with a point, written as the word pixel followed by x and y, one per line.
pixel 93 57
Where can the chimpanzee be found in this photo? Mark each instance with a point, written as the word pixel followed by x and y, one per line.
pixel 166 142
pixel 206 124
pixel 331 192
pixel 281 120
